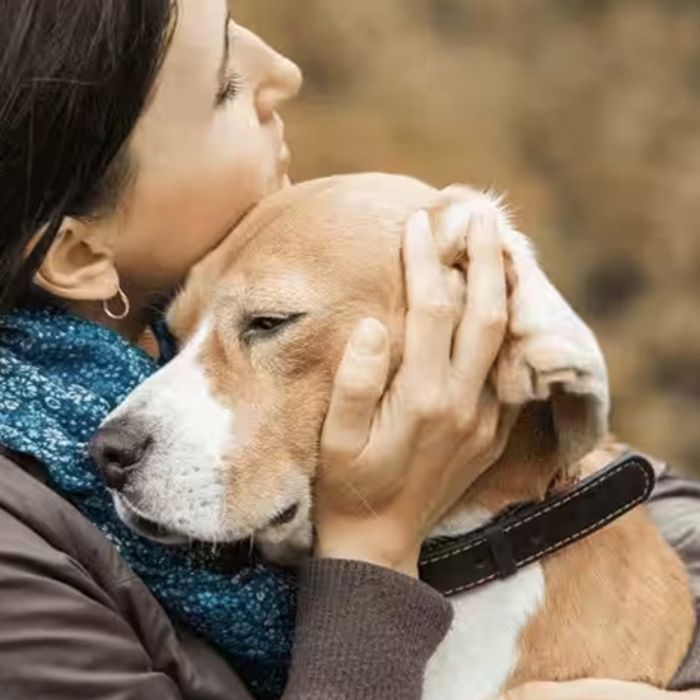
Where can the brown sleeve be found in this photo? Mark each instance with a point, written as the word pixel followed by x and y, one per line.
pixel 58 640
pixel 675 507
pixel 363 633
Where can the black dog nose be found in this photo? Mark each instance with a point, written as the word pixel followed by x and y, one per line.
pixel 117 449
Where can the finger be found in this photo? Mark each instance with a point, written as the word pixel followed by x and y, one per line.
pixel 482 329
pixel 509 415
pixel 430 317
pixel 490 411
pixel 359 384
pixel 486 441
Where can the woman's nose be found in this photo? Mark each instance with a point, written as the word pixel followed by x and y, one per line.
pixel 281 82
pixel 118 449
pixel 274 77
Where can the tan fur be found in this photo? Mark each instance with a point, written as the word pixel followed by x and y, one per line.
pixel 605 593
pixel 617 604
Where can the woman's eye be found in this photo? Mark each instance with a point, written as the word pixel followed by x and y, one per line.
pixel 230 89
pixel 265 326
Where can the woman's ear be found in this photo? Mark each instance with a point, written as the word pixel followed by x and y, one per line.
pixel 79 265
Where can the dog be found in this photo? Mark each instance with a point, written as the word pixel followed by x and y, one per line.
pixel 227 434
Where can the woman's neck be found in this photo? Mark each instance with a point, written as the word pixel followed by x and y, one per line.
pixel 135 327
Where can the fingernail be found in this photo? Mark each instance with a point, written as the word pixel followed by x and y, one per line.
pixel 458 216
pixel 369 338
pixel 485 219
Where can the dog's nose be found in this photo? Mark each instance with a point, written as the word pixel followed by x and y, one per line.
pixel 117 449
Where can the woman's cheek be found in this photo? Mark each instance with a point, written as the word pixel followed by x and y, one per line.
pixel 183 209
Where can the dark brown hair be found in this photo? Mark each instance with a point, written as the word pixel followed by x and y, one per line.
pixel 75 75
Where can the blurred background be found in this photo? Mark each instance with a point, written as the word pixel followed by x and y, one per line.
pixel 585 113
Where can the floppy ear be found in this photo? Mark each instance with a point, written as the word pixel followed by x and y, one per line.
pixel 549 353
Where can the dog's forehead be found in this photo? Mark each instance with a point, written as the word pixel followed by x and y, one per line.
pixel 336 232
pixel 328 222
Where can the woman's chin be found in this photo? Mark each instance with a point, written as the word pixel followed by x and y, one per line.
pixel 280 181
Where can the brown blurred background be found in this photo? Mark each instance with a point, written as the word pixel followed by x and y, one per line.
pixel 586 113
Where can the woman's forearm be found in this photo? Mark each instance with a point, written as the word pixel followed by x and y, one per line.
pixel 363 633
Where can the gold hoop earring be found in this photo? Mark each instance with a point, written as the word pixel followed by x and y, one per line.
pixel 126 307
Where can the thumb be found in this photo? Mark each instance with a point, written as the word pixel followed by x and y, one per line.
pixel 359 384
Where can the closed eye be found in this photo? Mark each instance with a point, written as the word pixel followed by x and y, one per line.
pixel 259 327
pixel 229 89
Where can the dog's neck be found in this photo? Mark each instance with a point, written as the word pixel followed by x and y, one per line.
pixel 527 470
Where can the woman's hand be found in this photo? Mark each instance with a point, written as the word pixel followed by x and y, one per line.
pixel 595 689
pixel 394 463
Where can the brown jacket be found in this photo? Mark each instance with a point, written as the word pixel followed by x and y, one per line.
pixel 675 506
pixel 76 623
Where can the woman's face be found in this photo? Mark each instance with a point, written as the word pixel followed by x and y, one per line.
pixel 209 146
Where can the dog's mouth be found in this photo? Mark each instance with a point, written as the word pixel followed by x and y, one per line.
pixel 153 530
pixel 145 526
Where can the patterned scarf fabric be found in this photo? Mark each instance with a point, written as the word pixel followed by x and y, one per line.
pixel 60 376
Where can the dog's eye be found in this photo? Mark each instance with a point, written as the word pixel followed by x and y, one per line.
pixel 266 326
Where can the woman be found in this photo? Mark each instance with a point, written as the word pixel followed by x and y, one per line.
pixel 133 135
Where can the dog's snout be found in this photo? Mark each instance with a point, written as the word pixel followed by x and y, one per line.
pixel 118 449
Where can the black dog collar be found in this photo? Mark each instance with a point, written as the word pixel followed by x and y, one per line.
pixel 531 531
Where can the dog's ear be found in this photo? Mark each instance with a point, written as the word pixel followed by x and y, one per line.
pixel 549 353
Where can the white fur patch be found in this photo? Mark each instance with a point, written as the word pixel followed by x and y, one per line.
pixel 480 651
pixel 179 485
pixel 462 521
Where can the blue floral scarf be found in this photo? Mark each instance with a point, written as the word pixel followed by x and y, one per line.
pixel 60 376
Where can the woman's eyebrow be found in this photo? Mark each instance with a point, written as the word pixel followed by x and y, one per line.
pixel 225 56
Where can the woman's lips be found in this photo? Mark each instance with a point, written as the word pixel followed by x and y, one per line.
pixel 285 158
pixel 284 155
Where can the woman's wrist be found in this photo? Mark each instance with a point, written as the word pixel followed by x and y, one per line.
pixel 371 542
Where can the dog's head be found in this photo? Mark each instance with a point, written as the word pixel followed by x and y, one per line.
pixel 222 443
